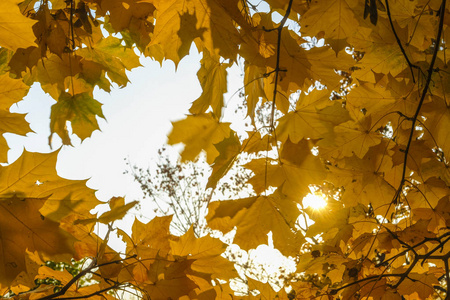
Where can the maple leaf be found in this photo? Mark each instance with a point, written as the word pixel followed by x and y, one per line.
pixel 381 144
pixel 53 70
pixel 314 116
pixel 427 281
pixel 437 113
pixel 199 132
pixel 23 227
pixel 11 91
pixel 206 21
pixel 51 35
pixel 81 110
pixel 254 88
pixel 229 149
pixel 300 67
pixel 123 12
pixel 33 175
pixel 11 123
pixel 113 57
pixel 213 79
pixel 175 29
pixel 371 180
pixel 256 217
pixel 134 20
pixel 341 21
pixel 354 137
pixel 15 28
pixel 205 254
pixel 34 200
pixel 294 171
pixel 145 237
pixel 118 210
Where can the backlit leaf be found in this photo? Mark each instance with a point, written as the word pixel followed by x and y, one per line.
pixel 15 28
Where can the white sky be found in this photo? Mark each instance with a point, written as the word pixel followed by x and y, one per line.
pixel 137 121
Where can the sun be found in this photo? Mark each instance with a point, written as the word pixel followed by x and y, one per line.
pixel 314 201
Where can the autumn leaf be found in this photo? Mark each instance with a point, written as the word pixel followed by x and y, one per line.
pixel 205 254
pixel 113 57
pixel 257 216
pixel 148 236
pixel 11 123
pixel 341 20
pixel 175 29
pixel 437 121
pixel 213 79
pixel 23 228
pixel 11 91
pixel 314 116
pixel 294 171
pixel 122 14
pixel 229 149
pixel 254 88
pixel 118 210
pixel 199 132
pixel 15 28
pixel 33 175
pixel 354 137
pixel 81 110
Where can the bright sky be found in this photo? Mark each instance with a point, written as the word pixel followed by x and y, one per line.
pixel 137 121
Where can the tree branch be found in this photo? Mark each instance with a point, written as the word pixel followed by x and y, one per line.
pixel 422 98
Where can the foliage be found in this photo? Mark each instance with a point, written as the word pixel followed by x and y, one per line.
pixel 349 97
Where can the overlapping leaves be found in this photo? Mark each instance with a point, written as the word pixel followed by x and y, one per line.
pixel 369 131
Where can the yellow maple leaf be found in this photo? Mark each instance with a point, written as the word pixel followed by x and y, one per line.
pixel 350 138
pixel 213 79
pixel 314 116
pixel 333 20
pixel 11 123
pixel 15 28
pixel 22 228
pixel 199 132
pixel 296 169
pixel 255 217
pixel 229 149
pixel 153 235
pixel 81 110
pixel 254 88
pixel 118 210
pixel 114 58
pixel 33 175
pixel 175 29
pixel 207 22
pixel 205 254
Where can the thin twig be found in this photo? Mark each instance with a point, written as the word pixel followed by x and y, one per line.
pixel 411 66
pixel 277 65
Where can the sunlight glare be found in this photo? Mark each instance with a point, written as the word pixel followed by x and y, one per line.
pixel 314 201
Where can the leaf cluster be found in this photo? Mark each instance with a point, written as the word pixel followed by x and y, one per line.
pixel 347 98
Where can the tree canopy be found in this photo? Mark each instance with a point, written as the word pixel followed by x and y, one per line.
pixel 346 99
